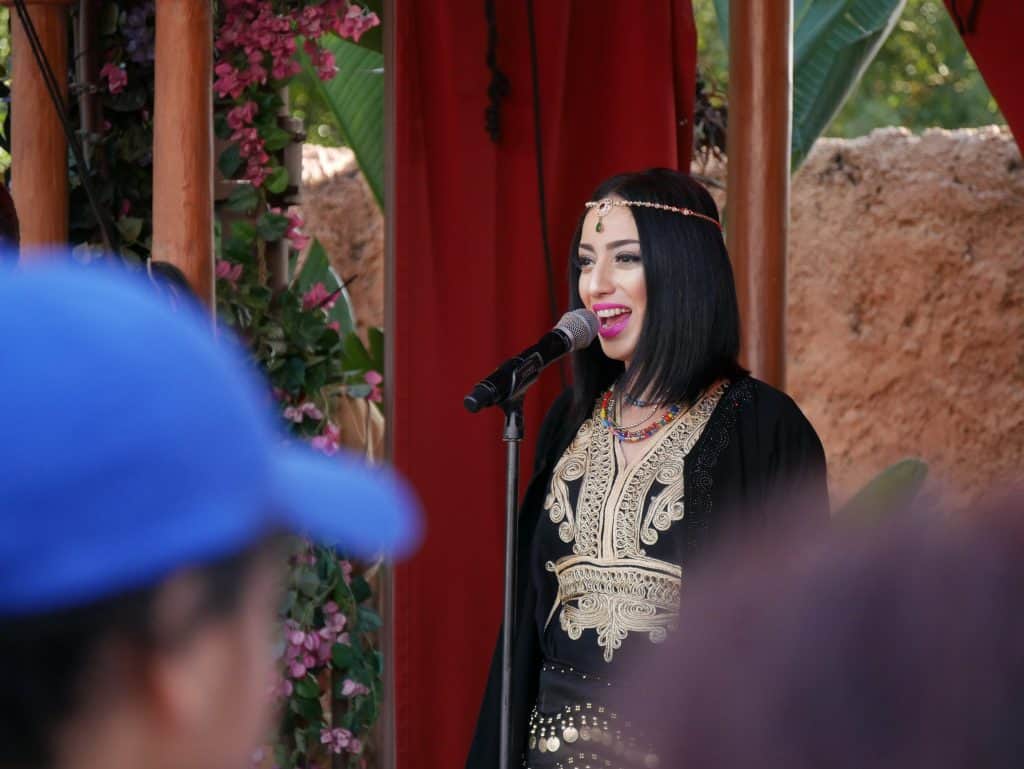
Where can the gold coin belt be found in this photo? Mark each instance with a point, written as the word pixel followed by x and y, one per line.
pixel 578 730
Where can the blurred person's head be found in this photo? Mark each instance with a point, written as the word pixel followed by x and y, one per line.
pixel 895 648
pixel 173 674
pixel 145 485
pixel 171 282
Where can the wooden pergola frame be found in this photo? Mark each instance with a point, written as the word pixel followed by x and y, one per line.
pixel 182 146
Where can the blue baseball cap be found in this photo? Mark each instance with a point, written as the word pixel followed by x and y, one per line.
pixel 135 441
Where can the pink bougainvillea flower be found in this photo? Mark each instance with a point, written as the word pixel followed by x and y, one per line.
pixel 298 238
pixel 242 115
pixel 335 326
pixel 329 441
pixel 117 78
pixel 336 739
pixel 229 272
pixel 373 378
pixel 298 413
pixel 326 68
pixel 356 22
pixel 228 81
pixel 352 688
pixel 336 623
pixel 355 746
pixel 330 608
pixel 318 297
pixel 297 670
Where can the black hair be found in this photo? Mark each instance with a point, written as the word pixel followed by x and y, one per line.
pixel 44 658
pixel 171 282
pixel 691 330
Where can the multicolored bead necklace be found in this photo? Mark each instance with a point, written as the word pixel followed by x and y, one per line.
pixel 633 436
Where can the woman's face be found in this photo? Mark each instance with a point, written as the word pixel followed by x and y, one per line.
pixel 612 280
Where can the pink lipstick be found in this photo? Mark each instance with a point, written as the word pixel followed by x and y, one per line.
pixel 614 319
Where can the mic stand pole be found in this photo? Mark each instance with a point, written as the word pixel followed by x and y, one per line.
pixel 512 436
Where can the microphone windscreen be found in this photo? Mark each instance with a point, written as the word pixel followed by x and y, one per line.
pixel 580 326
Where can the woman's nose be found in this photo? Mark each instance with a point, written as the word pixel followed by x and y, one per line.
pixel 601 283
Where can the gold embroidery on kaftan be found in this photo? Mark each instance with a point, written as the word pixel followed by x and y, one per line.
pixel 609 584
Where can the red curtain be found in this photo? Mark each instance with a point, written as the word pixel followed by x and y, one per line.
pixel 617 82
pixel 993 30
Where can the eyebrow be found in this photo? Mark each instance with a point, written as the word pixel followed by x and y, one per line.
pixel 612 244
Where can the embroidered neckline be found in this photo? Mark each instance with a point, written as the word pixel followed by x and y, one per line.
pixel 610 584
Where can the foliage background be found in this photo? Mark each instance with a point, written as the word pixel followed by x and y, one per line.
pixel 922 77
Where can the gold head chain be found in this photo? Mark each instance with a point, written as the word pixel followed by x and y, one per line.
pixel 605 206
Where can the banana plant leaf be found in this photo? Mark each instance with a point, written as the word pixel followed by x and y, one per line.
pixel 834 41
pixel 355 98
pixel 892 489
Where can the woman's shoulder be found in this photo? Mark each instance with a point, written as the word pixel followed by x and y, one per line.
pixel 768 405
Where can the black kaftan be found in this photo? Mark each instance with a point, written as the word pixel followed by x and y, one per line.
pixel 604 551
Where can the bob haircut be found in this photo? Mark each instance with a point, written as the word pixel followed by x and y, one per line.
pixel 691 330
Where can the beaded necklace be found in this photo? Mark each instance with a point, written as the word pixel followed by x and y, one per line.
pixel 633 436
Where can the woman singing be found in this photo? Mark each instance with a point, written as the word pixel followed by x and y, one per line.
pixel 662 444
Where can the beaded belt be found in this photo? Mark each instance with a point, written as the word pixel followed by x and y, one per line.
pixel 583 735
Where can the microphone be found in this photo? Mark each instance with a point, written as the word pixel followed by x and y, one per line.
pixel 575 331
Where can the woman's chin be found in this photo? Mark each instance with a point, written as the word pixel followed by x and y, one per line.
pixel 617 349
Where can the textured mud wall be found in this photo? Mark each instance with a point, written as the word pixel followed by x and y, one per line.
pixel 906 305
pixel 341 212
pixel 906 297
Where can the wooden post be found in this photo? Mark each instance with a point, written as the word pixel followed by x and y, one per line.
pixel 183 141
pixel 39 149
pixel 760 122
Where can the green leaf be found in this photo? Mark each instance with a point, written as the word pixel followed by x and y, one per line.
pixel 833 44
pixel 308 709
pixel 316 377
pixel 293 374
pixel 355 98
pixel 376 337
pixel 130 227
pixel 275 138
pixel 108 19
pixel 343 656
pixel 369 620
pixel 307 688
pixel 230 160
pixel 243 199
pixel 360 589
pixel 271 226
pixel 242 230
pixel 356 355
pixel 892 489
pixel 278 180
pixel 834 41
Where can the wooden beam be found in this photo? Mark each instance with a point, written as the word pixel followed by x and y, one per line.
pixel 183 141
pixel 39 149
pixel 760 123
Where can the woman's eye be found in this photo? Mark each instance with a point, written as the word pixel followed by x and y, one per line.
pixel 627 258
pixel 584 261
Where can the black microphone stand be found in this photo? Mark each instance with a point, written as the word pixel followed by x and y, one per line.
pixel 512 435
